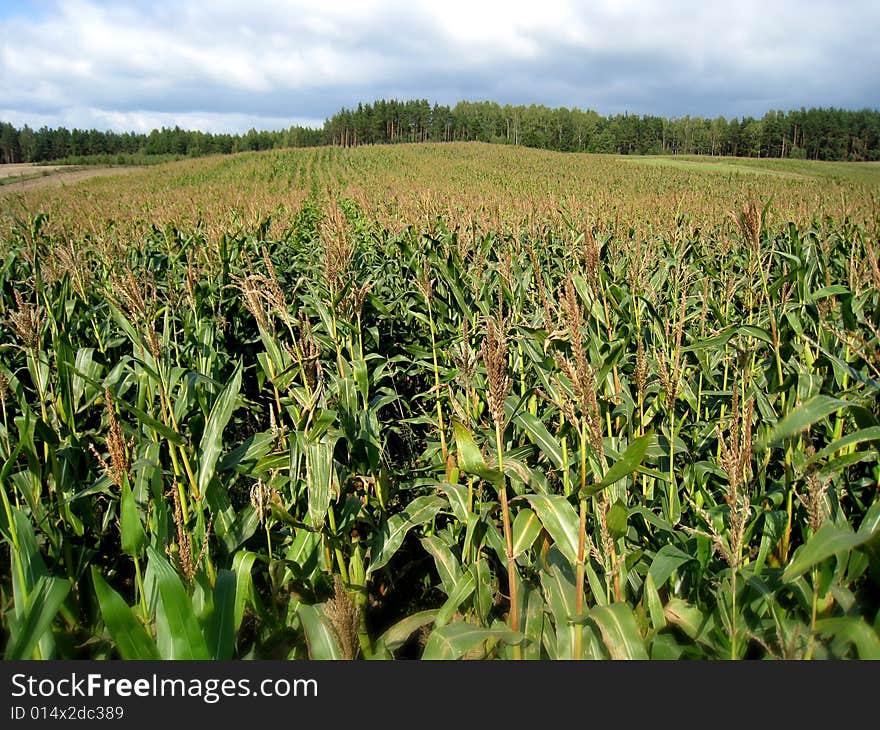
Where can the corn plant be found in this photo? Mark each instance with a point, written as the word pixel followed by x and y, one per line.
pixel 395 404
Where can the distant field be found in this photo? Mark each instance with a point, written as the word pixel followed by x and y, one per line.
pixel 866 173
pixel 453 401
pixel 507 184
pixel 18 173
pixel 19 178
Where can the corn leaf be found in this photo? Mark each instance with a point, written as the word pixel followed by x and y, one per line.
pixel 827 541
pixel 448 566
pixel 806 415
pixel 625 465
pixel 129 635
pixel 620 634
pixel 40 609
pixel 178 634
pixel 457 596
pixel 526 528
pixel 560 519
pixel 133 537
pixel 470 459
pixel 388 540
pixel 319 634
pixel 455 640
pixel 541 437
pixel 221 628
pixel 212 439
pixel 854 630
pixel 399 633
pixel 319 479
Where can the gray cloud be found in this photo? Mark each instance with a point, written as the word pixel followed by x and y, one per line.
pixel 223 65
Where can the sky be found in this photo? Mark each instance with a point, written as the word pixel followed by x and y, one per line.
pixel 227 65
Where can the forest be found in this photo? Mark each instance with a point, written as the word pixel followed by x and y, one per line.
pixel 815 134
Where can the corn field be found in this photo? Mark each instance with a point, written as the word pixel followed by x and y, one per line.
pixel 442 402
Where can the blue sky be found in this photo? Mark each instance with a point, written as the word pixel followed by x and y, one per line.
pixel 224 65
pixel 9 8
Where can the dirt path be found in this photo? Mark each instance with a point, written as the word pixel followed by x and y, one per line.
pixel 18 169
pixel 51 176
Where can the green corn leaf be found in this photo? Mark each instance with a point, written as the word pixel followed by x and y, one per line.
pixel 319 634
pixel 33 567
pixel 625 465
pixel 560 519
pixel 667 559
pixel 620 634
pixel 827 541
pixel 126 326
pixel 484 591
pixel 361 377
pixel 828 291
pixel 853 630
pixel 651 601
pixel 460 593
pixel 212 439
pixel 774 528
pixel 133 538
pixel 541 437
pixel 470 459
pixel 458 499
pixel 664 647
pixel 526 528
pixel 616 519
pixel 27 564
pixel 221 628
pixel 178 634
pixel 724 337
pixel 871 521
pixel 399 633
pixel 304 550
pixel 145 419
pixel 652 519
pixel 85 374
pixel 455 640
pixel 388 540
pixel 40 609
pixel 558 586
pixel 242 564
pixel 11 461
pixel 533 624
pixel 64 361
pixel 129 635
pixel 693 622
pixel 597 586
pixel 244 524
pixel 867 434
pixel 249 452
pixel 808 413
pixel 448 567
pixel 319 479
pixel 842 462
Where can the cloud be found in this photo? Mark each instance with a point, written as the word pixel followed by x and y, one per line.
pixel 269 63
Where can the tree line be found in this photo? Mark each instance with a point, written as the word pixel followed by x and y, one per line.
pixel 45 144
pixel 816 133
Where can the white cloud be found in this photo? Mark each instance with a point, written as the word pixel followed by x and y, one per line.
pixel 267 62
pixel 144 120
